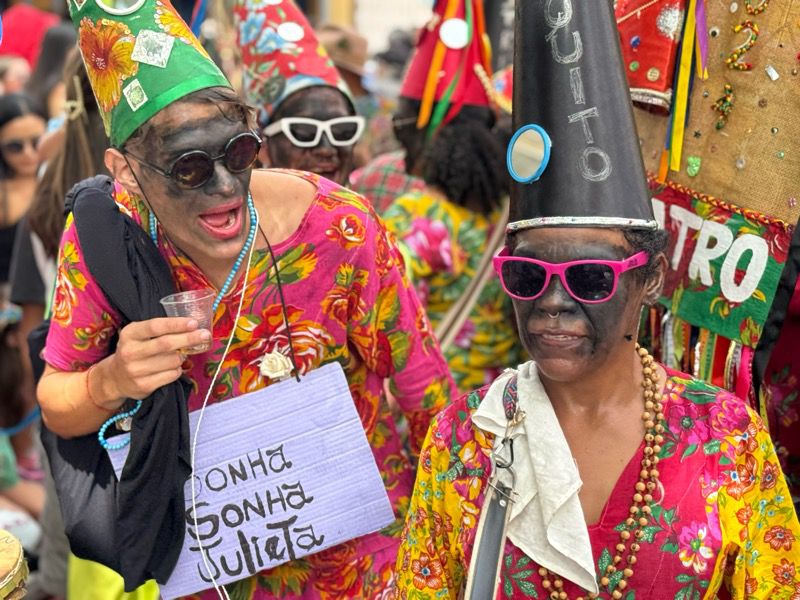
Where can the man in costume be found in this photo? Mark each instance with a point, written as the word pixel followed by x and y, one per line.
pixel 302 272
pixel 304 106
pixel 591 471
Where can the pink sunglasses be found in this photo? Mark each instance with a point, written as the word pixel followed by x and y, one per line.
pixel 587 281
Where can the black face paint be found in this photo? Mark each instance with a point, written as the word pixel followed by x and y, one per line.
pixel 209 135
pixel 581 333
pixel 181 128
pixel 321 103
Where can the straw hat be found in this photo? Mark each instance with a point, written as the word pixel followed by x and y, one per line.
pixel 347 49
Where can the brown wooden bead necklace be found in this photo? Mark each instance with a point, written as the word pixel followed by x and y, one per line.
pixel 633 531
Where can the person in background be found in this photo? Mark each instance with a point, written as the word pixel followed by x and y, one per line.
pixel 348 51
pixel 33 269
pixel 445 228
pixel 14 74
pixel 46 85
pixel 21 501
pixel 385 177
pixel 22 124
pixel 325 284
pixel 305 109
pixel 592 471
pixel 24 27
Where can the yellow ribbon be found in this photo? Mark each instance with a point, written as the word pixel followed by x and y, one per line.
pixel 681 103
pixel 432 81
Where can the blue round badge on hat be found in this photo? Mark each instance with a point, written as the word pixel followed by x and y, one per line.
pixel 528 153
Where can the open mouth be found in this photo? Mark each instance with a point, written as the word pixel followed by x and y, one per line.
pixel 224 222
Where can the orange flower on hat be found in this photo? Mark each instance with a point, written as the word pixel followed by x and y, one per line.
pixel 106 48
pixel 170 22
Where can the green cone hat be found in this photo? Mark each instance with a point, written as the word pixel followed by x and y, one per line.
pixel 140 57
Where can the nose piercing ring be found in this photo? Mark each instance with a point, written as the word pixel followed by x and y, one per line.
pixel 553 315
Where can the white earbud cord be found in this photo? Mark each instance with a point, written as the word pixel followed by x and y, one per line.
pixel 221 591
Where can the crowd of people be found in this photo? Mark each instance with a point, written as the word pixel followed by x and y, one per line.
pixel 484 305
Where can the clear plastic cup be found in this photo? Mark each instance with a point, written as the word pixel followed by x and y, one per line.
pixel 195 304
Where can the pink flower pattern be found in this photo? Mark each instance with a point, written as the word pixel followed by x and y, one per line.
pixel 719 518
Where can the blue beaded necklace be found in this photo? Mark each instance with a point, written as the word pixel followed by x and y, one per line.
pixel 251 236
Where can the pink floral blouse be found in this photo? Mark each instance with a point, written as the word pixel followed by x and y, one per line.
pixel 348 300
pixel 722 524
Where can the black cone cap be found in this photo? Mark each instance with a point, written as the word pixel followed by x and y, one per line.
pixel 569 79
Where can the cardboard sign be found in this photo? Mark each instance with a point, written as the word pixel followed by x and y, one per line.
pixel 725 264
pixel 280 473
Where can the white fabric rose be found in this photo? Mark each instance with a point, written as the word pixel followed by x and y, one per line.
pixel 275 366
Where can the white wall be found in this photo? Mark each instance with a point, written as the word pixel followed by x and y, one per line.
pixel 375 19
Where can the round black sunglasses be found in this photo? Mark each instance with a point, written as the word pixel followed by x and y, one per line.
pixel 195 168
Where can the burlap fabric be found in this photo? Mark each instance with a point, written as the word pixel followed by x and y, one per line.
pixel 754 160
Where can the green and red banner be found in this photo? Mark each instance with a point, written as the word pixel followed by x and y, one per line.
pixel 724 262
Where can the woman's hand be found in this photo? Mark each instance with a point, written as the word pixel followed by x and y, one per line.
pixel 148 356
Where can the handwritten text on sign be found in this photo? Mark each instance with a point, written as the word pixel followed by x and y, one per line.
pixel 280 473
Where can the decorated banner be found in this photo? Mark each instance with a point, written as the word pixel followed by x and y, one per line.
pixel 650 35
pixel 724 263
pixel 280 473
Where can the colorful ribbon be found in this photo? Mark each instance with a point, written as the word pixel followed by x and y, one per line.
pixel 432 81
pixel 702 39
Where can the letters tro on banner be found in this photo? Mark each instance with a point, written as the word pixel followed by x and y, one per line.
pixel 724 263
pixel 280 473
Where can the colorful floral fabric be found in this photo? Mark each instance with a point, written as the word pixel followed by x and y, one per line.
pixel 445 243
pixel 280 53
pixel 139 63
pixel 347 300
pixel 384 179
pixel 721 523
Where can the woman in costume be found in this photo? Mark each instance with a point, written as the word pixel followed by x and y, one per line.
pixel 445 124
pixel 304 106
pixel 592 471
pixel 303 274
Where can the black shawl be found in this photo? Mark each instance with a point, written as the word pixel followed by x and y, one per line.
pixel 135 526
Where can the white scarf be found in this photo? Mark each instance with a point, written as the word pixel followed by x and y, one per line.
pixel 547 521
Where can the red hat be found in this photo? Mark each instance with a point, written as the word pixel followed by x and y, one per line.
pixel 451 65
pixel 280 53
pixel 25 26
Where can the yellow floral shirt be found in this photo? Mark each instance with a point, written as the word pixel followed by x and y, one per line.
pixel 721 524
pixel 443 244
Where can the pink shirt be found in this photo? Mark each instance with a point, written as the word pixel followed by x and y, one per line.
pixel 348 300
